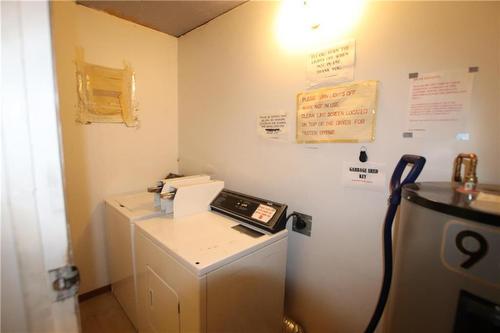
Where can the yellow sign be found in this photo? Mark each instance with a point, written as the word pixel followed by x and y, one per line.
pixel 344 113
pixel 105 95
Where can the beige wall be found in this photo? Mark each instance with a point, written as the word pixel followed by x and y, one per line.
pixel 232 69
pixel 105 159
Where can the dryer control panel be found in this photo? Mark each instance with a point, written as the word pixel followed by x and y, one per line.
pixel 259 214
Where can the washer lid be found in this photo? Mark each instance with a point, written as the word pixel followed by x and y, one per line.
pixel 206 241
pixel 482 206
pixel 135 206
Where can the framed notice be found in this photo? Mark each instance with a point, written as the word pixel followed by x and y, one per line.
pixel 344 113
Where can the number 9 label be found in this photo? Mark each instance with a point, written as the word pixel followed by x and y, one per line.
pixel 473 250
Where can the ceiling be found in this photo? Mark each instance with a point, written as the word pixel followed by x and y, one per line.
pixel 172 17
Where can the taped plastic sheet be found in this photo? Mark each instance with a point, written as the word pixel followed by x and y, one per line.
pixel 105 95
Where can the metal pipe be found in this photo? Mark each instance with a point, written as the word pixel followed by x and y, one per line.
pixel 290 326
pixel 469 179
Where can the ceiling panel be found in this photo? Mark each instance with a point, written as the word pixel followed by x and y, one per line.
pixel 172 17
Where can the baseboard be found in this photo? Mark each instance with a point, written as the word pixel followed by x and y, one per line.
pixel 94 293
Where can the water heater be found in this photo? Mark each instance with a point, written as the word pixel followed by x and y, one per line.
pixel 447 260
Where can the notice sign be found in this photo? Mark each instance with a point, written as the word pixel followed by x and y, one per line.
pixel 334 64
pixel 438 102
pixel 264 213
pixel 344 113
pixel 368 175
pixel 272 125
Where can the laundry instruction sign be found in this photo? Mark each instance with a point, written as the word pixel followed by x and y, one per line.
pixel 333 64
pixel 439 103
pixel 344 113
pixel 273 125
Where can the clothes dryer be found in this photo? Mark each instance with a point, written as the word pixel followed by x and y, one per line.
pixel 208 273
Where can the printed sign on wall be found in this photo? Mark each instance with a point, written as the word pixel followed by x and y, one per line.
pixel 438 102
pixel 344 113
pixel 368 175
pixel 272 125
pixel 334 64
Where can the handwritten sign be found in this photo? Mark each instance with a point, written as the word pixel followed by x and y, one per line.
pixel 344 113
pixel 368 175
pixel 438 102
pixel 272 125
pixel 334 64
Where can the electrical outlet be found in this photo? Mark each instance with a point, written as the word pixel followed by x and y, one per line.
pixel 307 219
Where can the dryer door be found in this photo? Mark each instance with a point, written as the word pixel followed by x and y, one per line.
pixel 163 308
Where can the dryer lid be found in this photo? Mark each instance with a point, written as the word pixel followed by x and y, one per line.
pixel 206 241
pixel 135 206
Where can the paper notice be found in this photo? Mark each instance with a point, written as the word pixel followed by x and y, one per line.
pixel 368 175
pixel 273 125
pixel 333 65
pixel 264 213
pixel 344 113
pixel 439 102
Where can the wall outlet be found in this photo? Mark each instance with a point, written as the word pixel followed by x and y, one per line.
pixel 307 219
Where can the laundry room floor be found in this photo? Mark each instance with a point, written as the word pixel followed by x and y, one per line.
pixel 104 314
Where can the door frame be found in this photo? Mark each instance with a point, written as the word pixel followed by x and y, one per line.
pixel 35 236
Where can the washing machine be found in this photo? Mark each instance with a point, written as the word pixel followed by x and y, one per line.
pixel 123 211
pixel 217 271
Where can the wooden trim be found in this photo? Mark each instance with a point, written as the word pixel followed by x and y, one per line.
pixel 94 293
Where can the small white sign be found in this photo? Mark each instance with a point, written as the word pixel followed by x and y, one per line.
pixel 272 125
pixel 264 213
pixel 334 64
pixel 368 175
pixel 472 250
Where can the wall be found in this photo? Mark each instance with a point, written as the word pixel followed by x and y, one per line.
pixel 232 69
pixel 105 159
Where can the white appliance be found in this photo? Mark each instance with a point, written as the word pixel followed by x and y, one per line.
pixel 447 264
pixel 208 273
pixel 123 211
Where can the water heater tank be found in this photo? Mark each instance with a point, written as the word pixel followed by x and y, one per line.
pixel 447 260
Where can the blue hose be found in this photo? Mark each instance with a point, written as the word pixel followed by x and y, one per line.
pixel 418 163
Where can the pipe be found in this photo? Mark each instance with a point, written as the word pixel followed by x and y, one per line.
pixel 469 181
pixel 290 326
